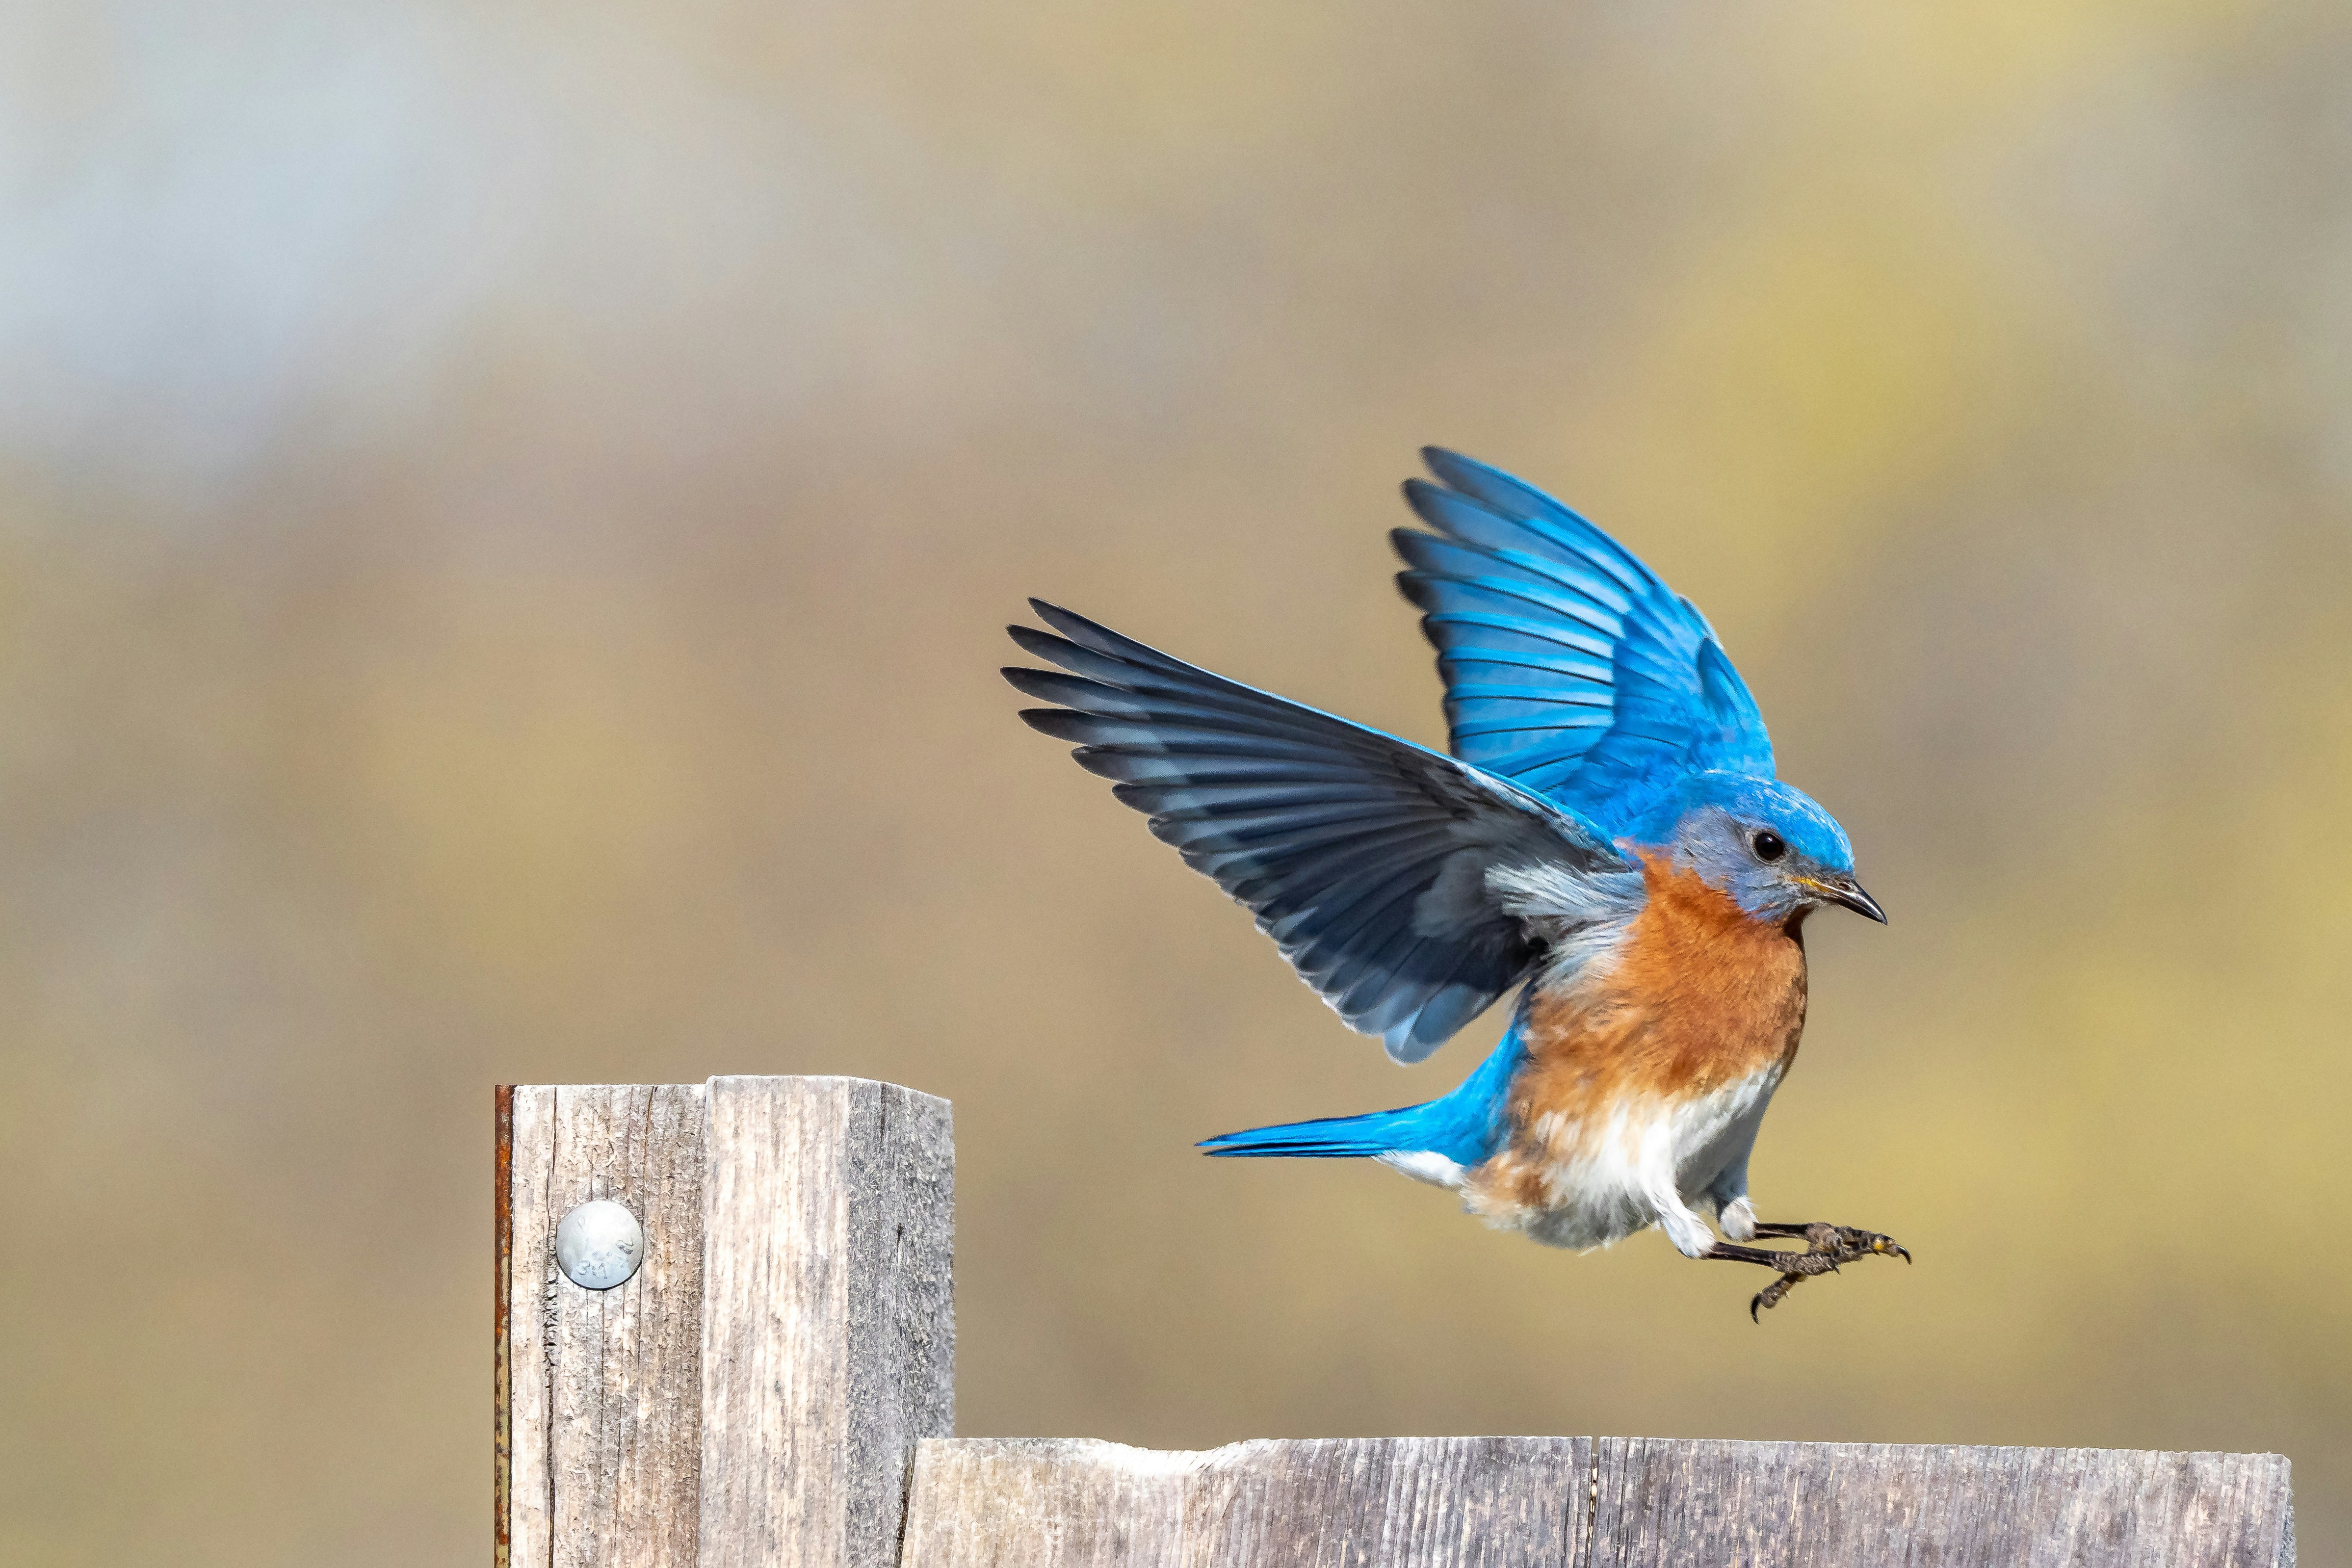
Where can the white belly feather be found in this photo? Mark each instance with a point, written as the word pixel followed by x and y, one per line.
pixel 1653 1161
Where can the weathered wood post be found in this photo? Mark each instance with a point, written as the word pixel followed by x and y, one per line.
pixel 773 1387
pixel 751 1396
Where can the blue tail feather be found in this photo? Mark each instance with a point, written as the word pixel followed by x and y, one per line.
pixel 1465 1126
pixel 1332 1138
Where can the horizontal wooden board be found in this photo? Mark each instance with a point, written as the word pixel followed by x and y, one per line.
pixel 1663 1502
pixel 1445 1502
pixel 1617 1502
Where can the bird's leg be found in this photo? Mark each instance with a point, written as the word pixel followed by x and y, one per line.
pixel 1826 1248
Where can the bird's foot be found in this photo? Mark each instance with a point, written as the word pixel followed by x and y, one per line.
pixel 1827 1247
pixel 1842 1241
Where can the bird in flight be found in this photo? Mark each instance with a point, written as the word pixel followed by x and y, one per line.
pixel 1608 830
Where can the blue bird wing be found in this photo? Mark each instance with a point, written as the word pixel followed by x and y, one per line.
pixel 1570 666
pixel 1365 858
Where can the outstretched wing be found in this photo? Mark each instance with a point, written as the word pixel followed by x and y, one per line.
pixel 1365 858
pixel 1570 668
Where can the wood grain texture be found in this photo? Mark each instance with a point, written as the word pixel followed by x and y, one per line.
pixel 1663 1502
pixel 605 1385
pixel 1398 1502
pixel 503 1303
pixel 829 1325
pixel 754 1396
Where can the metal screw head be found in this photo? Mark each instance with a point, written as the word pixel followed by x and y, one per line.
pixel 599 1244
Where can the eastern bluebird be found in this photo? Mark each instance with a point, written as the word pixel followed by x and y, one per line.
pixel 1609 829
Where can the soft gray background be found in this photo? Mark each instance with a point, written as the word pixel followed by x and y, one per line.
pixel 505 512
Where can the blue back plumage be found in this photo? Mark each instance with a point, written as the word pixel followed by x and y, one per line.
pixel 1570 666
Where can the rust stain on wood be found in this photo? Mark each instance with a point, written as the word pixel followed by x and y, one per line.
pixel 502 1390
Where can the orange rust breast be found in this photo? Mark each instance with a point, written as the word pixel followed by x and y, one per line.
pixel 1698 995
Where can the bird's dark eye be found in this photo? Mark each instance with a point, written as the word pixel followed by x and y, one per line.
pixel 1767 846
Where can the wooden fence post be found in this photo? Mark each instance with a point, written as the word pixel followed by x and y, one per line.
pixel 750 1397
pixel 774 1387
pixel 829 1323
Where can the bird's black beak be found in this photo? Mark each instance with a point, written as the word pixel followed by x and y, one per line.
pixel 1846 893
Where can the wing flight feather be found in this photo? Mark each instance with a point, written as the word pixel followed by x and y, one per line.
pixel 1570 666
pixel 1365 858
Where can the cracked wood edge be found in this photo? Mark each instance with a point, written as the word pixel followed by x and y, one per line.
pixel 1663 1502
pixel 604 1386
pixel 828 1343
pixel 1399 1502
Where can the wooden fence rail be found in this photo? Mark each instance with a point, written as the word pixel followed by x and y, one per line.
pixel 774 1387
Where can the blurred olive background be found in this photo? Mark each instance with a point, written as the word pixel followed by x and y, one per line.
pixel 506 514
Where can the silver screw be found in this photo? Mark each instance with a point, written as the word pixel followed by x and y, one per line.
pixel 599 1244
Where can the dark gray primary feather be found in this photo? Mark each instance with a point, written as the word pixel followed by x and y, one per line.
pixel 1363 855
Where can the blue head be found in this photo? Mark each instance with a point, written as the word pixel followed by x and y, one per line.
pixel 1769 845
